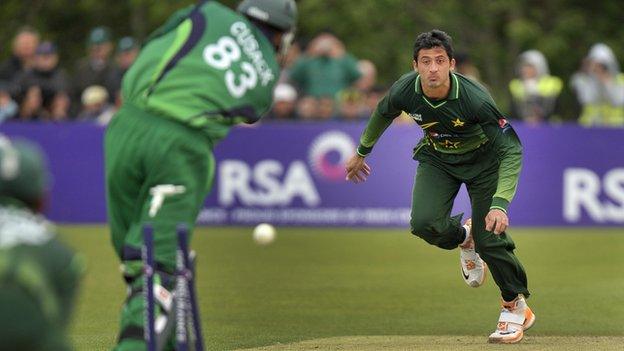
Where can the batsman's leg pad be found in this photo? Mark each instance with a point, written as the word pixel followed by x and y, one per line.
pixel 133 311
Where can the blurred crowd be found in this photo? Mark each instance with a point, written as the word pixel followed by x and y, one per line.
pixel 34 85
pixel 321 81
pixel 597 88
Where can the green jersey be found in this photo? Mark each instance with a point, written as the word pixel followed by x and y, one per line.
pixel 207 67
pixel 454 127
pixel 323 76
pixel 38 281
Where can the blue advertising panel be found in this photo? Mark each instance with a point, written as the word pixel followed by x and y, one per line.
pixel 293 174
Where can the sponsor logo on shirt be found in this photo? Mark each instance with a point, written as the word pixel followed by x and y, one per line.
pixel 416 116
pixel 451 144
pixel 443 135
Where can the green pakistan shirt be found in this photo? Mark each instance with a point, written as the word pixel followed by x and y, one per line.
pixel 466 120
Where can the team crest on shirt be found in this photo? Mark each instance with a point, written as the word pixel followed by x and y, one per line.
pixel 458 122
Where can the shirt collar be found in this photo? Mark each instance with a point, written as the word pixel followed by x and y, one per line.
pixel 453 91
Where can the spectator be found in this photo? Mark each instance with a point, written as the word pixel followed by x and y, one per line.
pixel 353 105
pixel 8 106
pixel 22 58
pixel 369 75
pixel 534 93
pixel 127 52
pixel 51 80
pixel 372 98
pixel 31 105
pixel 95 105
pixel 465 66
pixel 307 108
pixel 599 88
pixel 325 69
pixel 326 109
pixel 97 68
pixel 284 103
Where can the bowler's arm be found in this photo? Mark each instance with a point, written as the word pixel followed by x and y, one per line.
pixel 357 169
pixel 509 152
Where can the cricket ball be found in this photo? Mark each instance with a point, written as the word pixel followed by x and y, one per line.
pixel 264 234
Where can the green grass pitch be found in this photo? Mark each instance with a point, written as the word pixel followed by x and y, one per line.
pixel 369 289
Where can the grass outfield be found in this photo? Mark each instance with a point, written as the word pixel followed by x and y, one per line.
pixel 343 289
pixel 450 343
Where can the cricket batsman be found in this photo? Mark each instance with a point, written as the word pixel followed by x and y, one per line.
pixel 466 141
pixel 39 276
pixel 205 70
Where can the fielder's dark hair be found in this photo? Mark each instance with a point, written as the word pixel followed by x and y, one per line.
pixel 432 39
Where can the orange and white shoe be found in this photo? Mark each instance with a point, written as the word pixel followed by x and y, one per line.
pixel 515 318
pixel 474 270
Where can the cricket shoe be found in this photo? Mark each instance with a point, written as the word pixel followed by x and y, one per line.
pixel 474 269
pixel 515 318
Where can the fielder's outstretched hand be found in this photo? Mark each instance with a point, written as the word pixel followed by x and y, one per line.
pixel 496 221
pixel 357 169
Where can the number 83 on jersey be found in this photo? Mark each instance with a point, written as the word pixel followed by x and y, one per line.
pixel 227 53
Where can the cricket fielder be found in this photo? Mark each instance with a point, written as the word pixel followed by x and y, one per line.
pixel 205 70
pixel 39 276
pixel 467 140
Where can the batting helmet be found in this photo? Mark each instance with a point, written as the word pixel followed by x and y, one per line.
pixel 23 171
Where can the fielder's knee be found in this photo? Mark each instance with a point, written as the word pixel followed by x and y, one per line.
pixel 424 228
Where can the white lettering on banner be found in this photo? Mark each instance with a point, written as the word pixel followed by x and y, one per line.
pixel 299 183
pixel 614 188
pixel 212 215
pixel 309 216
pixel 233 180
pixel 582 189
pixel 266 175
pixel 261 186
